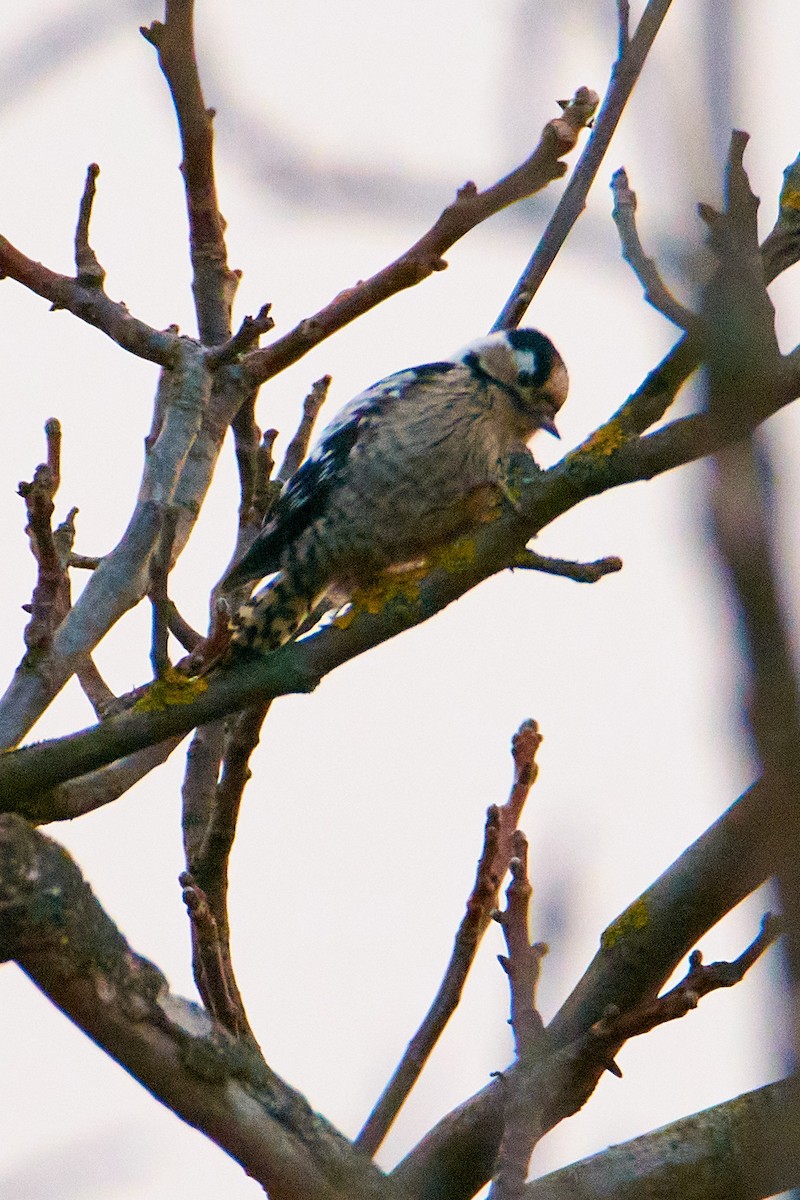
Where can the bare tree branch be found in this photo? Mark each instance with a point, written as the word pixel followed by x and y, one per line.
pixel 298 446
pixel 469 209
pixel 624 75
pixel 522 965
pixel 214 284
pixel 159 598
pixel 90 792
pixel 605 460
pixel 638 953
pixel 89 273
pixel 181 452
pixel 656 291
pixel 712 1155
pixel 88 302
pixel 55 929
pixel 593 572
pixel 492 866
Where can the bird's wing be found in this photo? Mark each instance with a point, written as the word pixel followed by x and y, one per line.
pixel 306 495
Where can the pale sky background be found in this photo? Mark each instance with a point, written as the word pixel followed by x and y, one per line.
pixel 343 128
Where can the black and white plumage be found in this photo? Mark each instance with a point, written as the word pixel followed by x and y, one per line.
pixel 412 463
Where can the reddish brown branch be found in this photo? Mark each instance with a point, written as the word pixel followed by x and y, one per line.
pixel 259 489
pixel 469 209
pixel 52 549
pixel 211 961
pixel 493 863
pixel 615 1027
pixel 90 303
pixel 214 284
pixel 266 489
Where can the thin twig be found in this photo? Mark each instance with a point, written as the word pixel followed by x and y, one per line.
pixel 89 272
pixel 623 25
pixel 298 447
pixel 492 866
pixel 590 572
pixel 159 599
pixel 700 980
pixel 213 985
pixel 522 965
pixel 469 209
pixel 656 291
pixel 50 600
pixel 180 629
pixel 245 338
pixel 572 203
pixel 90 304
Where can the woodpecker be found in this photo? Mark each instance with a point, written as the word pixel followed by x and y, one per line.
pixel 414 462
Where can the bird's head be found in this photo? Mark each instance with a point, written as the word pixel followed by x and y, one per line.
pixel 527 366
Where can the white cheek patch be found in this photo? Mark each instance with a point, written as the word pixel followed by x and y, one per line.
pixel 527 362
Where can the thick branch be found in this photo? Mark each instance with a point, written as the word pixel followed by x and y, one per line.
pixel 180 454
pixel 743 360
pixel 744 1148
pixel 51 924
pixel 89 792
pixel 638 953
pixel 607 459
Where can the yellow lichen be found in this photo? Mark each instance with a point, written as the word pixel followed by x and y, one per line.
pixel 604 441
pixel 790 198
pixel 403 585
pixel 635 917
pixel 172 688
pixel 455 556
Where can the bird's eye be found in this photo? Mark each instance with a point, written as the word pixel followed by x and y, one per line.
pixel 526 379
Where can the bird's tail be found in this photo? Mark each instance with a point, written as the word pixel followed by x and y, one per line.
pixel 272 616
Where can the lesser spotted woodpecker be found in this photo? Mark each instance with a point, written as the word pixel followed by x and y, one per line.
pixel 412 463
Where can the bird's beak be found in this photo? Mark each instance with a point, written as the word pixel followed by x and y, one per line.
pixel 549 424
